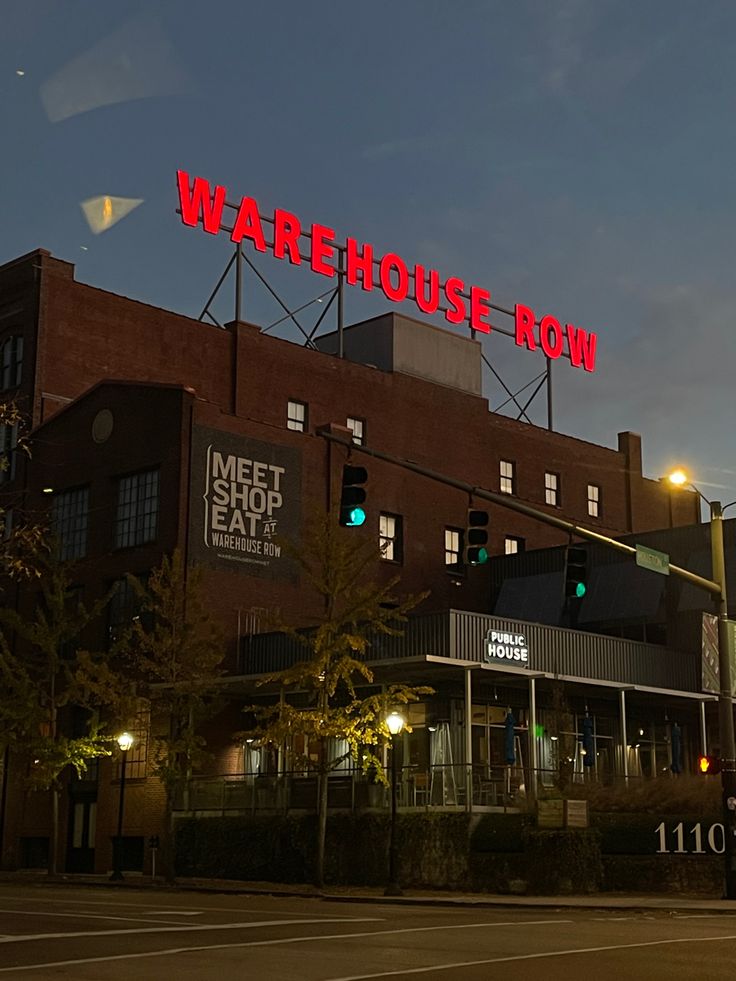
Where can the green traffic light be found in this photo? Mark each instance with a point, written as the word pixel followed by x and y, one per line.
pixel 580 590
pixel 355 518
pixel 477 556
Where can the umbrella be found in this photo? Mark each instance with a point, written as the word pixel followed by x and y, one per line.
pixel 509 750
pixel 588 744
pixel 676 746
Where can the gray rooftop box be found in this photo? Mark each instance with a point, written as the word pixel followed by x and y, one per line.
pixel 392 342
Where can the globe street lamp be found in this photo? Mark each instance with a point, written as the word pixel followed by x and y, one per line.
pixel 725 694
pixel 124 741
pixel 395 723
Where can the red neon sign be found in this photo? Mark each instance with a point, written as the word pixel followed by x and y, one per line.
pixel 460 303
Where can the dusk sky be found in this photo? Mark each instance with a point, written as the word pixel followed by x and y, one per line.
pixel 577 156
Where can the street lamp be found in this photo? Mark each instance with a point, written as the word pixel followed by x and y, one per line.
pixel 124 741
pixel 725 694
pixel 395 723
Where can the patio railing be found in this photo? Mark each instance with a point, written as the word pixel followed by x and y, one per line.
pixel 436 787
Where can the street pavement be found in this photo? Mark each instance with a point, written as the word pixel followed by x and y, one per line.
pixel 89 934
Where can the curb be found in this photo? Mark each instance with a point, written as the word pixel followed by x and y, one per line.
pixel 648 904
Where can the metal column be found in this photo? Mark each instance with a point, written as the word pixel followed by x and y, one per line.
pixel 238 283
pixel 624 745
pixel 468 741
pixel 533 762
pixel 703 730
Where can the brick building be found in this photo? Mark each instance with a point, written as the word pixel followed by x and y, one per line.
pixel 153 431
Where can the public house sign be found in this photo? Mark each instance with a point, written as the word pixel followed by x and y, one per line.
pixel 460 302
pixel 510 648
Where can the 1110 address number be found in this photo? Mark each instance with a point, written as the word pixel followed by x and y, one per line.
pixel 715 839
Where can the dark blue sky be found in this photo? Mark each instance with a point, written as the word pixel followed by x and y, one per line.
pixel 575 155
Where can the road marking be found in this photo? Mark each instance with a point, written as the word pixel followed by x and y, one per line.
pixel 705 916
pixel 173 912
pixel 79 915
pixel 201 909
pixel 276 942
pixel 176 928
pixel 528 957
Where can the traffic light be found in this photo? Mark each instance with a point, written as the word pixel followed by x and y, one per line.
pixel 352 497
pixel 476 537
pixel 709 764
pixel 576 560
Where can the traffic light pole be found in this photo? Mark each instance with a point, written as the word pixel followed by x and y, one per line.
pixel 725 701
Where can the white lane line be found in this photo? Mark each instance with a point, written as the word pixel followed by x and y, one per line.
pixel 79 915
pixel 176 928
pixel 201 909
pixel 274 943
pixel 528 957
pixel 705 916
pixel 173 912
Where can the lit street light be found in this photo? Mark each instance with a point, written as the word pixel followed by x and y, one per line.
pixel 725 697
pixel 124 741
pixel 395 723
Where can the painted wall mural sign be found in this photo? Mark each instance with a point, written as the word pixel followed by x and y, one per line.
pixel 460 302
pixel 507 647
pixel 245 499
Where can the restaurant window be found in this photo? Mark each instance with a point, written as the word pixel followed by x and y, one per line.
pixel 594 501
pixel 512 545
pixel 357 428
pixel 552 489
pixel 11 362
pixel 453 538
pixel 122 610
pixel 136 521
pixel 390 537
pixel 69 514
pixel 296 416
pixel 508 477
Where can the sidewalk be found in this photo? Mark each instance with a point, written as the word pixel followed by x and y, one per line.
pixel 367 894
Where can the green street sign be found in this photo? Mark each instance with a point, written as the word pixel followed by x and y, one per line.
pixel 650 558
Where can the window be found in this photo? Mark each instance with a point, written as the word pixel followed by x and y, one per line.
pixel 69 511
pixel 11 362
pixel 8 444
pixel 136 520
pixel 296 416
pixel 551 489
pixel 513 545
pixel 453 538
pixel 594 501
pixel 506 470
pixel 123 607
pixel 357 428
pixel 389 537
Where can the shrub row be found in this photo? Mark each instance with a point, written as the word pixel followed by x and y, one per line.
pixel 492 852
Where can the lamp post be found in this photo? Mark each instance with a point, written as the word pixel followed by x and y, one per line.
pixel 725 684
pixel 124 741
pixel 395 723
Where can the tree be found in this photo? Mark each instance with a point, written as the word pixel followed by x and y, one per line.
pixel 20 542
pixel 176 650
pixel 337 565
pixel 43 674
